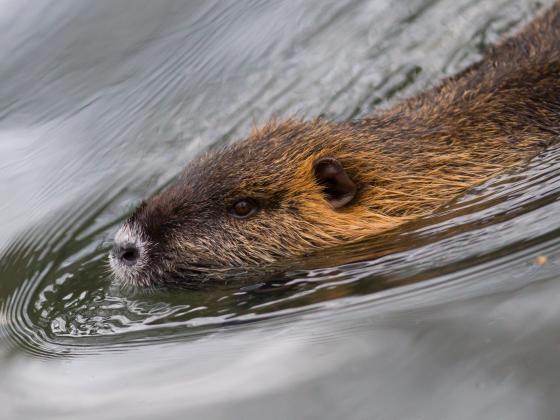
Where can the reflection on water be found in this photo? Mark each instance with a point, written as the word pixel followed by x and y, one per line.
pixel 103 103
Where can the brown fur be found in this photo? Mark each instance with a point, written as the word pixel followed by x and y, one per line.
pixel 406 161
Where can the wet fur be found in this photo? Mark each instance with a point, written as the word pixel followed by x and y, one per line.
pixel 407 161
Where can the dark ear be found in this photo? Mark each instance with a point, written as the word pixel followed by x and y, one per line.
pixel 337 185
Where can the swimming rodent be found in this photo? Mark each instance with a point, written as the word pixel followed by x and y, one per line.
pixel 294 186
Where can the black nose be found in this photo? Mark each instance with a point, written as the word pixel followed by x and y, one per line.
pixel 127 254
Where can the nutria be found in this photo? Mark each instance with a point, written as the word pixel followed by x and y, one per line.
pixel 297 186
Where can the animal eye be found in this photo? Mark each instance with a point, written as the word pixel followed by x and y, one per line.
pixel 244 208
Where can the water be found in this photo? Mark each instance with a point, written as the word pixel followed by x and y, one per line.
pixel 102 104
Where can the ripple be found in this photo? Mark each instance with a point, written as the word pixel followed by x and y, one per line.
pixel 68 305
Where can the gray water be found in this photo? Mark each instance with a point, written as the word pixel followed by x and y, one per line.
pixel 103 103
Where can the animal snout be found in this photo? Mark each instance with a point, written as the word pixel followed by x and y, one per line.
pixel 126 253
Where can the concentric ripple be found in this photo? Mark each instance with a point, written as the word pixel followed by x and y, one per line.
pixel 68 304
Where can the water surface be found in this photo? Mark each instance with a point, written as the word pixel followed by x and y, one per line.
pixel 103 103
